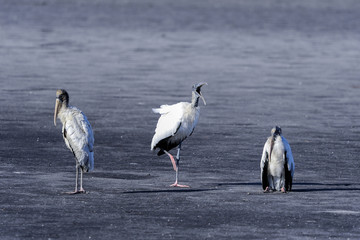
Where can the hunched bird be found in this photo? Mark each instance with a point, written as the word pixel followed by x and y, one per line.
pixel 277 163
pixel 77 134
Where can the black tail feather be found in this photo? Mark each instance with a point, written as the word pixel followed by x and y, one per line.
pixel 161 152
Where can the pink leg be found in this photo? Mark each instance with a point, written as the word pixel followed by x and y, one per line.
pixel 266 190
pixel 172 159
pixel 283 190
pixel 176 169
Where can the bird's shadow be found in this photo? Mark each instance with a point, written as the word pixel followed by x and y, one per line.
pixel 125 176
pixel 175 190
pixel 325 187
pixel 307 186
pixel 238 184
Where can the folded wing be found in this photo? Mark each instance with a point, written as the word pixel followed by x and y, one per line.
pixel 168 123
pixel 79 138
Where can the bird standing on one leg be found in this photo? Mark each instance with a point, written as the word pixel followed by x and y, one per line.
pixel 277 163
pixel 77 134
pixel 175 124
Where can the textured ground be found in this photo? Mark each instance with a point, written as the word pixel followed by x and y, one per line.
pixel 288 63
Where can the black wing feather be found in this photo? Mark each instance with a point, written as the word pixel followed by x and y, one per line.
pixel 167 144
pixel 288 178
pixel 265 182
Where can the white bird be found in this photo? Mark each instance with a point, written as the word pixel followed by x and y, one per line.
pixel 175 124
pixel 77 134
pixel 277 163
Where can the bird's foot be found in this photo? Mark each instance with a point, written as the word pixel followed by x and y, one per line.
pixel 82 190
pixel 267 190
pixel 72 193
pixel 283 190
pixel 179 185
pixel 76 192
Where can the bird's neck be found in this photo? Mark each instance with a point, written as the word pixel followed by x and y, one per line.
pixel 195 100
pixel 62 110
pixel 64 106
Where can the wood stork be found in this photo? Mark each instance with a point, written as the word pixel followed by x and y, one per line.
pixel 277 163
pixel 175 124
pixel 77 134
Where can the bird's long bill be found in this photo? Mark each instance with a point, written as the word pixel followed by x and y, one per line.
pixel 199 85
pixel 202 98
pixel 57 106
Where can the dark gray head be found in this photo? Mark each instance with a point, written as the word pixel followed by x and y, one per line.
pixel 62 98
pixel 197 91
pixel 62 95
pixel 276 131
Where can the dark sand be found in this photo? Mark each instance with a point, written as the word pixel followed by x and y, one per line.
pixel 288 63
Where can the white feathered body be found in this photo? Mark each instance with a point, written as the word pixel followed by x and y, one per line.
pixel 78 136
pixel 275 167
pixel 176 123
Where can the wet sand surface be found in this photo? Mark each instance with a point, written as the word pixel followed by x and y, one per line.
pixel 288 63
